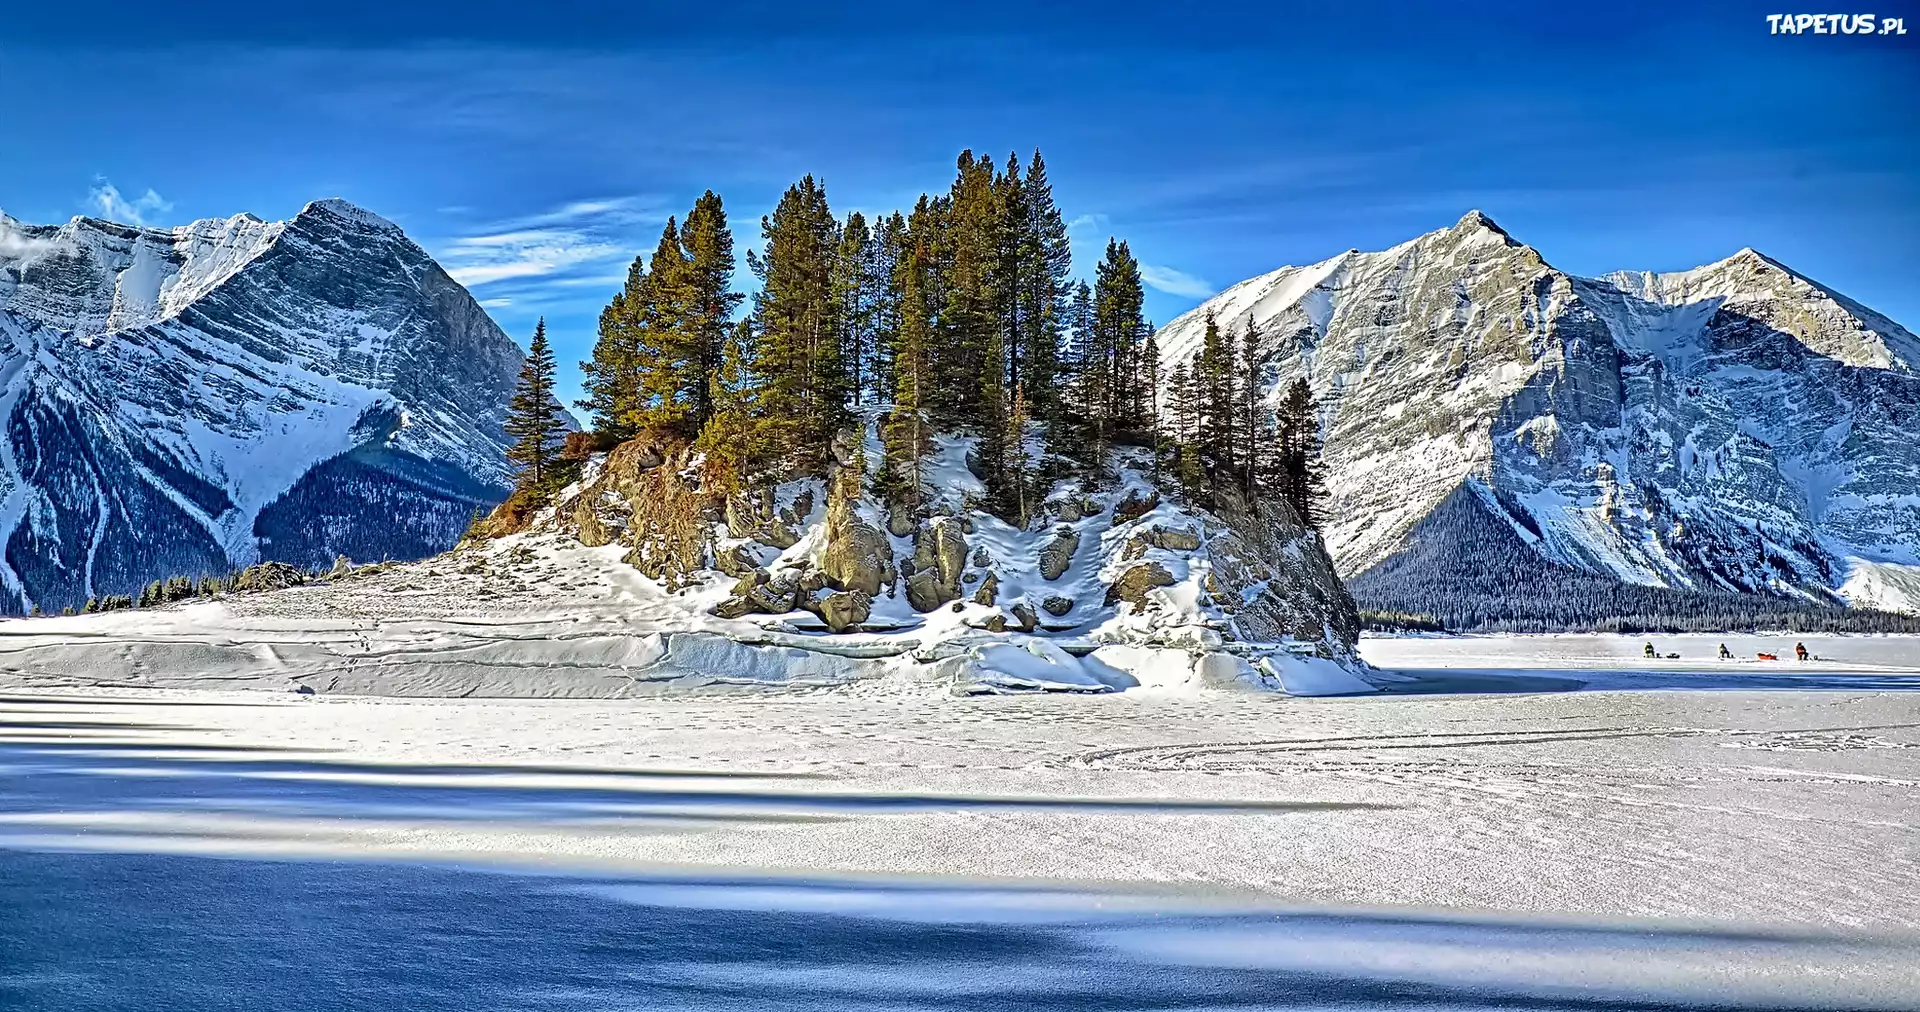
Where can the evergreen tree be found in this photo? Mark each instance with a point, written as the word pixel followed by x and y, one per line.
pixel 1214 376
pixel 908 433
pixel 669 363
pixel 971 313
pixel 1249 416
pixel 613 374
pixel 1302 478
pixel 706 315
pixel 1092 362
pixel 885 251
pixel 1046 261
pixel 1119 330
pixel 797 325
pixel 855 297
pixel 533 417
pixel 736 439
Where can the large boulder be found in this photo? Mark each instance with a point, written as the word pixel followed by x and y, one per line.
pixel 1057 605
pixel 1057 556
pixel 939 560
pixel 1133 584
pixel 268 576
pixel 1135 505
pixel 843 609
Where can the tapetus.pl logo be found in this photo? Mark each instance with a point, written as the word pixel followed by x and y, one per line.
pixel 1835 24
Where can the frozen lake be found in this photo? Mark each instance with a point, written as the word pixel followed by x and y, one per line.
pixel 1583 830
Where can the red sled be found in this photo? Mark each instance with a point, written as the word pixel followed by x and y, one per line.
pixel 1767 657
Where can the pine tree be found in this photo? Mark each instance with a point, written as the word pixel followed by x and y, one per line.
pixel 855 298
pixel 1120 329
pixel 884 254
pixel 1214 376
pixel 735 440
pixel 706 315
pixel 1302 479
pixel 970 314
pixel 1092 361
pixel 613 374
pixel 1252 362
pixel 907 434
pixel 797 324
pixel 1047 260
pixel 669 363
pixel 533 417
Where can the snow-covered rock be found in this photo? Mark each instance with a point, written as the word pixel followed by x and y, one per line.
pixel 189 400
pixel 1734 427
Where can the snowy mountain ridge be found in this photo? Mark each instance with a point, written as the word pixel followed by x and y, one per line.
pixel 187 400
pixel 1737 427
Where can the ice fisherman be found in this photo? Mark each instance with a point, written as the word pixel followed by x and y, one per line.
pixel 1725 654
pixel 1649 650
pixel 1800 650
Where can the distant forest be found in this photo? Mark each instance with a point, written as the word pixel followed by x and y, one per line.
pixel 1467 571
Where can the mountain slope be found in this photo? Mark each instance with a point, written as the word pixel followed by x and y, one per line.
pixel 184 401
pixel 1737 427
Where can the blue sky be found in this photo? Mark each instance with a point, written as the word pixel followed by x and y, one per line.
pixel 535 148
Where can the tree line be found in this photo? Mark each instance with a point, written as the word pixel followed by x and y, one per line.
pixel 960 314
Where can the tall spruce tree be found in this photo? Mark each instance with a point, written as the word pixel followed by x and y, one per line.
pixel 855 296
pixel 533 416
pixel 797 323
pixel 668 367
pixel 1302 479
pixel 1120 329
pixel 907 435
pixel 1046 261
pixel 612 375
pixel 706 315
pixel 885 252
pixel 970 315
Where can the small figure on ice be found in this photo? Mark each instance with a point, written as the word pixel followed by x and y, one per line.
pixel 1725 654
pixel 1800 651
pixel 1649 651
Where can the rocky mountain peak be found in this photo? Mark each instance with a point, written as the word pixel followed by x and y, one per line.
pixel 183 401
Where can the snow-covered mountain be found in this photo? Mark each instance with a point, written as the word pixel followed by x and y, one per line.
pixel 1733 428
pixel 187 400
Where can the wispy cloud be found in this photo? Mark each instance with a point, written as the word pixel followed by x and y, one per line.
pixel 1087 223
pixel 549 244
pixel 107 199
pixel 18 244
pixel 1174 282
pixel 501 303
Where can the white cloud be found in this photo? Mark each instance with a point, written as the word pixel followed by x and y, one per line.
pixel 551 243
pixel 107 199
pixel 1086 222
pixel 496 303
pixel 1174 282
pixel 15 243
pixel 483 259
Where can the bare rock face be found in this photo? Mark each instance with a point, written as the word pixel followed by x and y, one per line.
pixel 939 561
pixel 1133 584
pixel 1171 539
pixel 1134 506
pixel 843 610
pixel 1058 555
pixel 1024 619
pixel 268 576
pixel 1295 592
pixel 989 590
pixel 587 526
